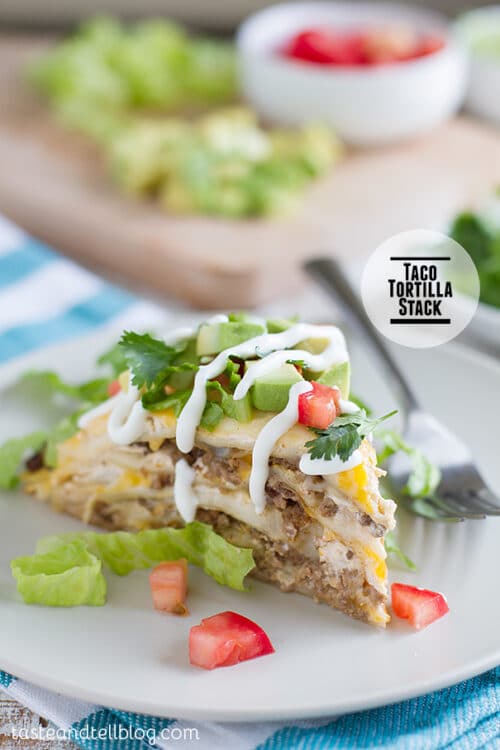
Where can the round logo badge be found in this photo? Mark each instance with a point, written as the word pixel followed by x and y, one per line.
pixel 420 288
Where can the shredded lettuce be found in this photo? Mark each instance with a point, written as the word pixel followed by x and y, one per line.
pixel 392 548
pixel 114 359
pixel 68 575
pixel 124 551
pixel 62 431
pixel 66 569
pixel 12 453
pixel 43 386
pixel 212 415
pixel 425 476
pixel 47 384
pixel 95 78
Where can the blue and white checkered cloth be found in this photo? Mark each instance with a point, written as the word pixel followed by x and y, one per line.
pixel 45 298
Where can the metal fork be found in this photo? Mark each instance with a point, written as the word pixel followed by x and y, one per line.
pixel 462 492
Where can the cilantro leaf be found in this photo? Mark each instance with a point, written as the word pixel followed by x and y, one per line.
pixel 148 358
pixel 298 363
pixel 362 404
pixel 343 436
pixel 340 441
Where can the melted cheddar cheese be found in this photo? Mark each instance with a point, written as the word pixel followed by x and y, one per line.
pixel 354 483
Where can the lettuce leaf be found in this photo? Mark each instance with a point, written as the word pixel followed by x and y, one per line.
pixel 212 415
pixel 49 383
pixel 392 548
pixel 12 453
pixel 124 551
pixel 42 386
pixel 424 477
pixel 62 431
pixel 66 576
pixel 114 358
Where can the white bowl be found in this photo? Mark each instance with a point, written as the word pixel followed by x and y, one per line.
pixel 483 91
pixel 364 105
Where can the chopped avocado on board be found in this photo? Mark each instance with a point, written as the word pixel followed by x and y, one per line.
pixel 223 164
pixel 215 337
pixel 270 392
pixel 99 76
pixel 143 91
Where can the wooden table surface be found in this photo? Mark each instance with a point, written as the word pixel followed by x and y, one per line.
pixel 56 185
pixel 15 720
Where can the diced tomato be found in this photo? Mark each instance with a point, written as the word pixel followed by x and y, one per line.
pixel 168 582
pixel 226 639
pixel 428 45
pixel 325 47
pixel 419 606
pixel 319 407
pixel 389 45
pixel 376 46
pixel 114 387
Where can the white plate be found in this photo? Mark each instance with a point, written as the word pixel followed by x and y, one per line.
pixel 127 656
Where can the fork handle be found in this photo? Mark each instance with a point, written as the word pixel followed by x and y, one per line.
pixel 329 274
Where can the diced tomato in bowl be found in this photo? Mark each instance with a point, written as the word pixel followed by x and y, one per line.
pixel 168 582
pixel 319 406
pixel 365 47
pixel 419 606
pixel 226 639
pixel 325 47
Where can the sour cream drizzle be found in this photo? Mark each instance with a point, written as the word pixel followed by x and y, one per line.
pixel 347 407
pixel 127 416
pixel 264 344
pixel 127 420
pixel 266 439
pixel 322 466
pixel 185 499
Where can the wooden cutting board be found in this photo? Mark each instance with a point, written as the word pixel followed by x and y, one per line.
pixel 55 185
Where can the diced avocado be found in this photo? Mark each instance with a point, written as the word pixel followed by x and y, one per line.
pixel 240 410
pixel 338 375
pixel 278 325
pixel 315 346
pixel 270 392
pixel 215 337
